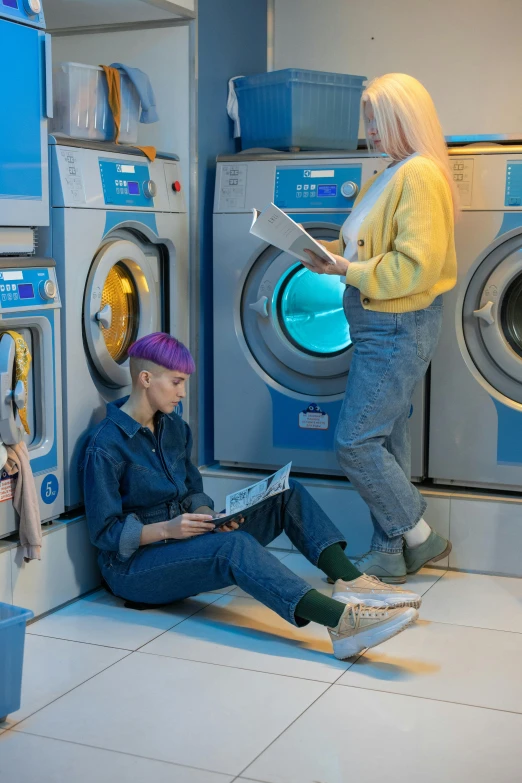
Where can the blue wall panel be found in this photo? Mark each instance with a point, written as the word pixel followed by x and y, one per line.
pixel 232 42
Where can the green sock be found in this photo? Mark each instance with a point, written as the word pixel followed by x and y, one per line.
pixel 334 563
pixel 318 608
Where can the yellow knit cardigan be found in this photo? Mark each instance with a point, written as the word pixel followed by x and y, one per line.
pixel 406 245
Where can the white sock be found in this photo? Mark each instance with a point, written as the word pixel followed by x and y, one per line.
pixel 418 534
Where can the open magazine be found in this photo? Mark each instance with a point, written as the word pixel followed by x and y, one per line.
pixel 252 496
pixel 277 228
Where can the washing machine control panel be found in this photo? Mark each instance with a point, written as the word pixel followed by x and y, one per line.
pixel 127 184
pixel 31 288
pixel 317 187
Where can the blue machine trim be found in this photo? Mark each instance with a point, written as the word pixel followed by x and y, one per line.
pixel 20 142
pixel 114 219
pixel 125 188
pixel 15 11
pixel 50 460
pixel 287 413
pixel 320 217
pixel 314 187
pixel 509 437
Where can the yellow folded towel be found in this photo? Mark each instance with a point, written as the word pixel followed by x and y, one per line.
pixel 23 363
pixel 114 84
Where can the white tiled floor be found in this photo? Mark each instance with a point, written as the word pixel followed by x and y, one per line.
pixel 219 689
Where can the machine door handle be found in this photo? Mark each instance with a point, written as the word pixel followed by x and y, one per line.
pixel 104 317
pixel 18 394
pixel 485 313
pixel 261 306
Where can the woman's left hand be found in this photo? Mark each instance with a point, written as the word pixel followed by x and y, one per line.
pixel 321 267
pixel 232 525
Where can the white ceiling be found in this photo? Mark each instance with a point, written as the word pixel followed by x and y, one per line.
pixel 61 14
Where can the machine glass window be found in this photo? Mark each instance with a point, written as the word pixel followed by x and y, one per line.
pixel 121 294
pixel 511 315
pixel 310 310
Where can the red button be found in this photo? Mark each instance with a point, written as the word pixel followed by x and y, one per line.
pixel 176 186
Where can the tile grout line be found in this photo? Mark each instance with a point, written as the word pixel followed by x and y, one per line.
pixel 75 641
pixel 429 698
pixel 11 728
pixel 189 617
pixel 244 669
pixel 123 753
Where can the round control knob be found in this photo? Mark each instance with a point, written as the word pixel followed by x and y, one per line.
pixel 33 6
pixel 349 189
pixel 150 188
pixel 47 289
pixel 176 186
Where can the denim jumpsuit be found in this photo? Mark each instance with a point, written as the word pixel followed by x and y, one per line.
pixel 133 477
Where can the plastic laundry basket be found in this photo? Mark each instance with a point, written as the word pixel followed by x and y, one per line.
pixel 12 638
pixel 297 108
pixel 81 104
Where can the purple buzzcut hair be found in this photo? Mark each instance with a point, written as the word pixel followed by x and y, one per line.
pixel 165 350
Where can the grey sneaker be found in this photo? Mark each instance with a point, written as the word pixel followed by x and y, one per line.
pixel 361 627
pixel 370 591
pixel 434 548
pixel 390 568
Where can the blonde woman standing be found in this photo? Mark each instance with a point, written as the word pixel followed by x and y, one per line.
pixel 397 253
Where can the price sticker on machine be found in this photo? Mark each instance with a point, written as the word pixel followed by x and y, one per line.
pixel 7 487
pixel 313 418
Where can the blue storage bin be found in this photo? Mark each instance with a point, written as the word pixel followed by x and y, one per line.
pixel 12 638
pixel 297 108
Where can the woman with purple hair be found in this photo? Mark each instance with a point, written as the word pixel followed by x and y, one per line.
pixel 155 531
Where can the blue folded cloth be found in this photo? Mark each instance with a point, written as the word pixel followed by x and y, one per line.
pixel 144 88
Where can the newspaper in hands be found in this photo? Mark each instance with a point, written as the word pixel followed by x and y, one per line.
pixel 255 493
pixel 277 228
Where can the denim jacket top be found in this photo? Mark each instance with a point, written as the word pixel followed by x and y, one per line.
pixel 132 478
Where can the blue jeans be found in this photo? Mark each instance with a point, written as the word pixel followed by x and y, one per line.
pixel 391 354
pixel 172 570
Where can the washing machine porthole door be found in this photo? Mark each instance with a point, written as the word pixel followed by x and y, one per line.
pixel 492 318
pixel 12 394
pixel 120 306
pixel 310 310
pixel 293 322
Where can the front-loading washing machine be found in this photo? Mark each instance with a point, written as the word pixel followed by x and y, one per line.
pixel 282 347
pixel 476 378
pixel 119 237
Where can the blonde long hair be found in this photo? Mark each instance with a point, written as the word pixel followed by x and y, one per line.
pixel 407 122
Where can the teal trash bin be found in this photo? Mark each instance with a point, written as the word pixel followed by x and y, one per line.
pixel 13 620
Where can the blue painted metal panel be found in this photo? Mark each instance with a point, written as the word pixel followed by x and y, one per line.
pixel 114 219
pixel 123 184
pixel 314 187
pixel 21 86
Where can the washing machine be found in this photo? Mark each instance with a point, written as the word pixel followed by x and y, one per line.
pixel 476 378
pixel 282 347
pixel 119 237
pixel 30 305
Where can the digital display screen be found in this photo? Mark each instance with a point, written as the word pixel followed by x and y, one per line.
pixel 10 3
pixel 134 189
pixel 26 291
pixel 327 191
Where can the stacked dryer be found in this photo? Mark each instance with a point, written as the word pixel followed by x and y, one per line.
pixel 119 237
pixel 29 298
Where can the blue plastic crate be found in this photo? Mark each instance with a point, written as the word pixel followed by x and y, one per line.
pixel 297 108
pixel 12 637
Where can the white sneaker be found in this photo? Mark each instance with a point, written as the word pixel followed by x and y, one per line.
pixel 370 591
pixel 361 627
